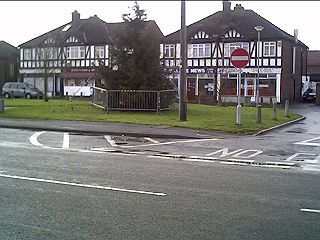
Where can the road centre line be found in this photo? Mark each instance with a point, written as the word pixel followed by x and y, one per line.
pixel 309 210
pixel 66 140
pixel 82 185
pixel 174 142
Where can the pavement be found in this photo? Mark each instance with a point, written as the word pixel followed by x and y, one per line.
pixel 118 129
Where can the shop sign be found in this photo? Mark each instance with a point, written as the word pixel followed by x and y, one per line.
pixel 250 70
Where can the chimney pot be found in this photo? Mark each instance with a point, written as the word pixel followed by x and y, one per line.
pixel 238 7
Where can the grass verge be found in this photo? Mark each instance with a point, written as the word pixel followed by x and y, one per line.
pixel 204 117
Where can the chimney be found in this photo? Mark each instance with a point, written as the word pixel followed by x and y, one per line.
pixel 75 18
pixel 226 5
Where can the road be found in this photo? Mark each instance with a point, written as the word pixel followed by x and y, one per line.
pixel 68 186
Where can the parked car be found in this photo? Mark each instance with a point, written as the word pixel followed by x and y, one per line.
pixel 19 89
pixel 309 95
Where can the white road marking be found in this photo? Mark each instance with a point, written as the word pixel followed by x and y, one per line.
pixel 235 163
pixel 280 163
pixel 197 160
pixel 110 141
pixel 151 140
pixel 298 154
pixel 34 139
pixel 240 160
pixel 255 153
pixel 151 156
pixel 224 152
pixel 81 185
pixel 308 142
pixel 309 210
pixel 66 140
pixel 175 142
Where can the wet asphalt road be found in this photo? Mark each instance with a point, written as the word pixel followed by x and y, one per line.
pixel 57 185
pixel 75 189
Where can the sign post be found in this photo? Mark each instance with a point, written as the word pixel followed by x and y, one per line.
pixel 239 59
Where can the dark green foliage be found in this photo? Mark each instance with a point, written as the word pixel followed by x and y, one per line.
pixel 135 54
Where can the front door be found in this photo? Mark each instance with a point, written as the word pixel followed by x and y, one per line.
pixel 191 89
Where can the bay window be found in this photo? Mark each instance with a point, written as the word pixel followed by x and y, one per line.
pixel 230 47
pixel 75 52
pixel 169 50
pixel 269 49
pixel 199 50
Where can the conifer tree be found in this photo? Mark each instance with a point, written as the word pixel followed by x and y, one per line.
pixel 135 56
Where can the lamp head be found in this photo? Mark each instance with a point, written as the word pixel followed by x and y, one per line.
pixel 258 28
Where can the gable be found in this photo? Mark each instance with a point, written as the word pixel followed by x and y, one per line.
pixel 72 39
pixel 231 34
pixel 200 35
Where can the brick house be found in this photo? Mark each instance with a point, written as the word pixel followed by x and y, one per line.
pixel 210 74
pixel 8 63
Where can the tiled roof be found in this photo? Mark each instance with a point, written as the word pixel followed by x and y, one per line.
pixel 88 31
pixel 240 19
pixel 7 49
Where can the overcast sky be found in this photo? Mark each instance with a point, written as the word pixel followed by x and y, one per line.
pixel 25 20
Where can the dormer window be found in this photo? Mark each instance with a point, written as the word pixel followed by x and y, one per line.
pixel 66 28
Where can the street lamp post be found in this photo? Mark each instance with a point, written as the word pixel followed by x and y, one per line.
pixel 258 106
pixel 183 44
pixel 258 29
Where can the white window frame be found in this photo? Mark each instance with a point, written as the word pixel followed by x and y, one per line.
pixel 27 54
pixel 230 47
pixel 99 51
pixel 169 50
pixel 202 50
pixel 75 52
pixel 269 49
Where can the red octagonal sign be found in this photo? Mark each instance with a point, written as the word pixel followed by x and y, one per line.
pixel 239 58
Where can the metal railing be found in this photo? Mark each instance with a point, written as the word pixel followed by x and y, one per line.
pixel 134 100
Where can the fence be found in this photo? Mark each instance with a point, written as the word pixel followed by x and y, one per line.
pixel 133 100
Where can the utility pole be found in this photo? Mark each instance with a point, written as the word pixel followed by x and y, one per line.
pixel 183 43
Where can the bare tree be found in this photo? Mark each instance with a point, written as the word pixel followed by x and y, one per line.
pixel 47 62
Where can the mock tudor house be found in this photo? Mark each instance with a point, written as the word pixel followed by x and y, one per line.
pixel 67 55
pixel 8 63
pixel 210 74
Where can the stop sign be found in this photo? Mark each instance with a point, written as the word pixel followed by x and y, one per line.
pixel 239 58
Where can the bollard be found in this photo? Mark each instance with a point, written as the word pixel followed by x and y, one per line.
pixel 286 108
pixel 274 111
pixel 81 96
pixel 1 105
pixel 271 102
pixel 258 116
pixel 239 115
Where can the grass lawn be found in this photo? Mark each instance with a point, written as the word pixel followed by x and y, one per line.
pixel 205 117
